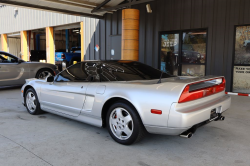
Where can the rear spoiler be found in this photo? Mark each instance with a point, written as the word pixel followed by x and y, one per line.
pixel 200 89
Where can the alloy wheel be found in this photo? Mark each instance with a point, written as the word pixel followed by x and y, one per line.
pixel 121 123
pixel 31 102
pixel 44 74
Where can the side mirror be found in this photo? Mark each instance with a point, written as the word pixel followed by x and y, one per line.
pixel 50 79
pixel 20 61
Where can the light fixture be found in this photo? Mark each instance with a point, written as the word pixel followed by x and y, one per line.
pixel 15 12
pixel 148 7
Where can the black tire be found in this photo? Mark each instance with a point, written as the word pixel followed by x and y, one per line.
pixel 43 73
pixel 36 110
pixel 138 130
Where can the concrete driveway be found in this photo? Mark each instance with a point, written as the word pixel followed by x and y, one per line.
pixel 47 139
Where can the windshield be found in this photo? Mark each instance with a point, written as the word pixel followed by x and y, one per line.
pixel 6 58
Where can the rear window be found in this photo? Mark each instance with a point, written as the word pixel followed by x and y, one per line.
pixel 129 71
pixel 110 71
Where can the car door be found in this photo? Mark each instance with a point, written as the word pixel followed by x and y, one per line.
pixel 66 94
pixel 11 71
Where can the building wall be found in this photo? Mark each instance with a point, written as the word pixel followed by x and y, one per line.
pixel 29 19
pixel 14 46
pixel 218 16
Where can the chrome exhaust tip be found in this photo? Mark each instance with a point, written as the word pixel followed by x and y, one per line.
pixel 188 135
pixel 222 118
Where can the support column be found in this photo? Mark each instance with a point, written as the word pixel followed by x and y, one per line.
pixel 50 45
pixel 82 41
pixel 29 41
pixel 130 34
pixel 4 42
pixel 24 46
pixel 67 39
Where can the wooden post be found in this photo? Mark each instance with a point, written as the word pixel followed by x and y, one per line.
pixel 4 42
pixel 82 41
pixel 130 34
pixel 29 40
pixel 24 46
pixel 50 45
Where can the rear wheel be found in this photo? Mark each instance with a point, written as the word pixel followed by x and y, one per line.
pixel 42 74
pixel 124 124
pixel 31 102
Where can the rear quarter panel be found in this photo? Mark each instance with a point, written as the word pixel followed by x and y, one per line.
pixel 143 98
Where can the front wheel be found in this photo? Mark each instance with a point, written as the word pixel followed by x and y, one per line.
pixel 124 124
pixel 31 102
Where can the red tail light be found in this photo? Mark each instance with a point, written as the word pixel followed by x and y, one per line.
pixel 200 93
pixel 63 56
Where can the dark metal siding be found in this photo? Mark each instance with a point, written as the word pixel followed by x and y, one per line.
pixel 218 16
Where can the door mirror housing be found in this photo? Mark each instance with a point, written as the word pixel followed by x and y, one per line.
pixel 50 79
pixel 20 61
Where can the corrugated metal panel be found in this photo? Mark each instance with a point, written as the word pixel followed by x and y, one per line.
pixel 14 46
pixel 218 16
pixel 29 19
pixel 73 7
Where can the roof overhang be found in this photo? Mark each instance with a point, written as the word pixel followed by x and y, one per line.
pixel 87 8
pixel 71 7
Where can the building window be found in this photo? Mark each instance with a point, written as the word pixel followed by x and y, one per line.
pixel 183 52
pixel 241 72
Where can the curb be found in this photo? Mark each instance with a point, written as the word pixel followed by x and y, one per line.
pixel 238 94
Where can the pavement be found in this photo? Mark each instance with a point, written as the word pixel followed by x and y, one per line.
pixel 46 140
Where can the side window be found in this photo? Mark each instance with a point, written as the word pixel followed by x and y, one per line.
pixel 80 72
pixel 5 58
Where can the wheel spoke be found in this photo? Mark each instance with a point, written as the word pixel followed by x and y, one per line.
pixel 33 98
pixel 127 119
pixel 49 74
pixel 113 121
pixel 127 131
pixel 33 105
pixel 118 113
pixel 28 104
pixel 118 132
pixel 30 95
pixel 42 75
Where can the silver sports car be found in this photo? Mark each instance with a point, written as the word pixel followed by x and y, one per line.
pixel 14 71
pixel 129 98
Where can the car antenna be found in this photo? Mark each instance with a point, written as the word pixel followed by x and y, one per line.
pixel 160 78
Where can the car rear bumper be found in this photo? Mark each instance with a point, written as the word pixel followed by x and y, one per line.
pixel 181 119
